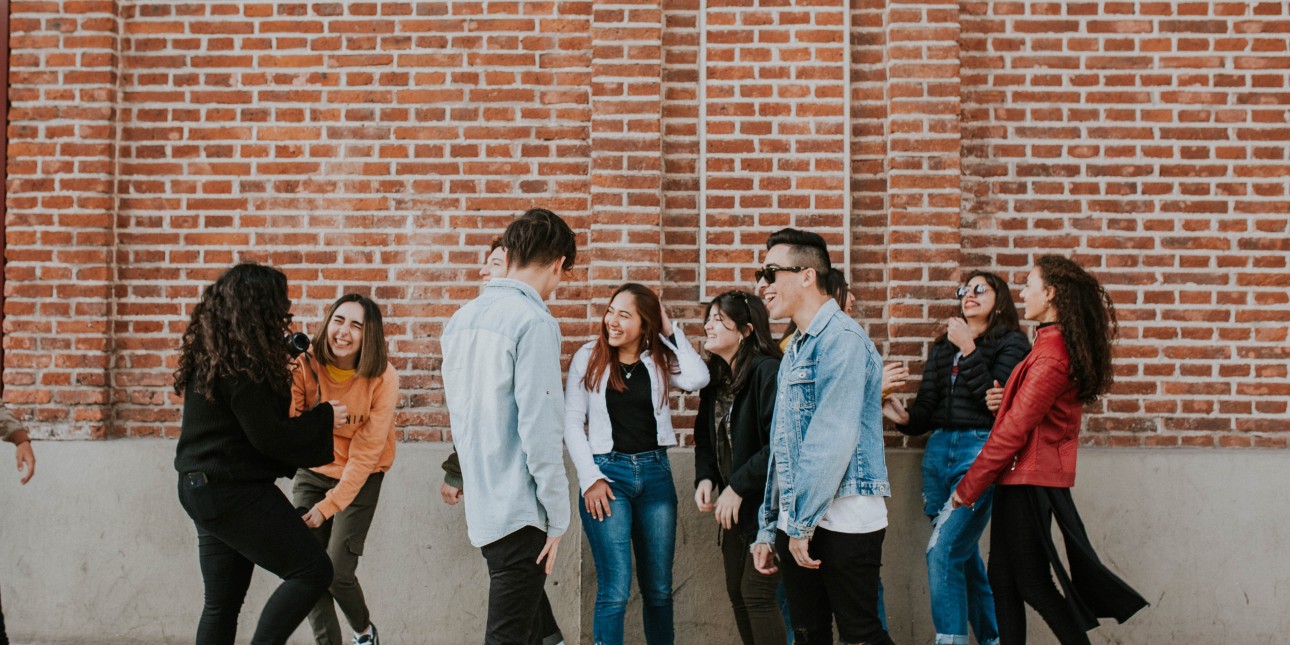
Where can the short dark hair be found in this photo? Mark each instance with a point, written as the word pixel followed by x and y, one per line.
pixel 809 250
pixel 539 237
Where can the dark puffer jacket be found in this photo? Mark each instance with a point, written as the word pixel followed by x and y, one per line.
pixel 961 405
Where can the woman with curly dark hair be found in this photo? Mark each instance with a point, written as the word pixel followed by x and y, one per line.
pixel 236 438
pixel 1030 456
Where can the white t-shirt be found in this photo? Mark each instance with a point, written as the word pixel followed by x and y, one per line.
pixel 850 514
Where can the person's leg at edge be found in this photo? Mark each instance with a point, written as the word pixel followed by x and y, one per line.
pixel 226 575
pixel 610 541
pixel 981 613
pixel 758 591
pixel 545 630
pixel 4 635
pixel 732 561
pixel 309 488
pixel 654 543
pixel 850 578
pixel 1033 574
pixel 808 603
pixel 1009 608
pixel 349 535
pixel 515 585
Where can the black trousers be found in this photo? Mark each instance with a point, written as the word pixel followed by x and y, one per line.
pixel 516 586
pixel 4 638
pixel 844 588
pixel 1021 572
pixel 241 525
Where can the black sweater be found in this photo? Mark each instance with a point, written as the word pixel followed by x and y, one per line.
pixel 961 405
pixel 751 416
pixel 245 434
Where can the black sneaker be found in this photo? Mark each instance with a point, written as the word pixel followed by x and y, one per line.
pixel 368 639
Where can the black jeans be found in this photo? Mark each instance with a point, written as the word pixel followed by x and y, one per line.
pixel 1021 573
pixel 4 638
pixel 844 588
pixel 241 525
pixel 752 594
pixel 515 588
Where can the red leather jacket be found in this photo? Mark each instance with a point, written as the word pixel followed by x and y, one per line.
pixel 1036 431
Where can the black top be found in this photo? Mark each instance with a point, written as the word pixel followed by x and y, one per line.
pixel 959 404
pixel 751 416
pixel 631 412
pixel 245 434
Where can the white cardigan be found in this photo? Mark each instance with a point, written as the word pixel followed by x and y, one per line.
pixel 588 409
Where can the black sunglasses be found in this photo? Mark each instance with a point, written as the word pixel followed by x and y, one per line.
pixel 768 273
pixel 965 290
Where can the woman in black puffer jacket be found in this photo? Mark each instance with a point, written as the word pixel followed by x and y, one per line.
pixel 978 351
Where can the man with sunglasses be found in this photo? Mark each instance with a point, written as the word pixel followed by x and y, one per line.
pixel 825 499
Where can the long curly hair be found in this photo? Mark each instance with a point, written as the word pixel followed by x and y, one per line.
pixel 237 330
pixel 1088 324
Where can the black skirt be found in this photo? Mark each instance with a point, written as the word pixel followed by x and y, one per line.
pixel 1091 589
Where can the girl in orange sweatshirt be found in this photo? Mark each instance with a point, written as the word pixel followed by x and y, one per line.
pixel 348 363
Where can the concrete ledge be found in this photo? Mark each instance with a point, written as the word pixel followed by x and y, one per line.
pixel 97 550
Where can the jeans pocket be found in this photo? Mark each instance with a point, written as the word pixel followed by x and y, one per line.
pixel 198 499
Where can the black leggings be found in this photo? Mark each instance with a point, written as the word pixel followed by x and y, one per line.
pixel 1021 573
pixel 242 525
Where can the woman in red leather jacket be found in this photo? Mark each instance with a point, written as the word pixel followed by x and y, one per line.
pixel 1030 456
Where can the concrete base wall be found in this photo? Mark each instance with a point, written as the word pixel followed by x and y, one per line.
pixel 97 550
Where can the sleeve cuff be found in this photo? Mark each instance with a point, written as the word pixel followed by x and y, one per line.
pixel 453 480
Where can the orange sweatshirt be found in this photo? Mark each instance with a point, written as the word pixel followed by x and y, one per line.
pixel 363 446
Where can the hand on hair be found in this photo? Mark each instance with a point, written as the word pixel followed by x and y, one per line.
pixel 667 322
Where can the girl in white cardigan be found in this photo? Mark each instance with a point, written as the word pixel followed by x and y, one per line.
pixel 618 387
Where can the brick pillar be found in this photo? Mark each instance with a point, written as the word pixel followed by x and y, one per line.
pixel 60 225
pixel 774 143
pixel 923 240
pixel 626 145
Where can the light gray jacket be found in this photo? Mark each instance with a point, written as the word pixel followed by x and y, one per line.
pixel 501 382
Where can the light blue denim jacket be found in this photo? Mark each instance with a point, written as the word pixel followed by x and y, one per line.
pixel 826 441
pixel 501 381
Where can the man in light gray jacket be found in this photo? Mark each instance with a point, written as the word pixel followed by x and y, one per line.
pixel 13 432
pixel 502 385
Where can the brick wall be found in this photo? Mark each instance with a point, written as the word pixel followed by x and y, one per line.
pixel 378 147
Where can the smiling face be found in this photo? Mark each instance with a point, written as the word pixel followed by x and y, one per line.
pixel 494 265
pixel 623 322
pixel 722 336
pixel 1038 298
pixel 784 295
pixel 345 334
pixel 977 306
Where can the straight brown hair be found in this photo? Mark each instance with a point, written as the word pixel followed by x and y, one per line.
pixel 373 354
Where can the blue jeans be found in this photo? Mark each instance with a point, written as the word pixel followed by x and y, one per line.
pixel 643 523
pixel 960 590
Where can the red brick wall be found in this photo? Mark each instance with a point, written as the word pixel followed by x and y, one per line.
pixel 378 147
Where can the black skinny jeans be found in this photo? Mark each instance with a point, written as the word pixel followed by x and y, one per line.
pixel 1021 573
pixel 241 525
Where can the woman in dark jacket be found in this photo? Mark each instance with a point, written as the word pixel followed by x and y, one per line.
pixel 236 438
pixel 979 348
pixel 731 433
pixel 1030 460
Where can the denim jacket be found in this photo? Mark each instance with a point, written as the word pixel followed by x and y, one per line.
pixel 826 441
pixel 501 382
